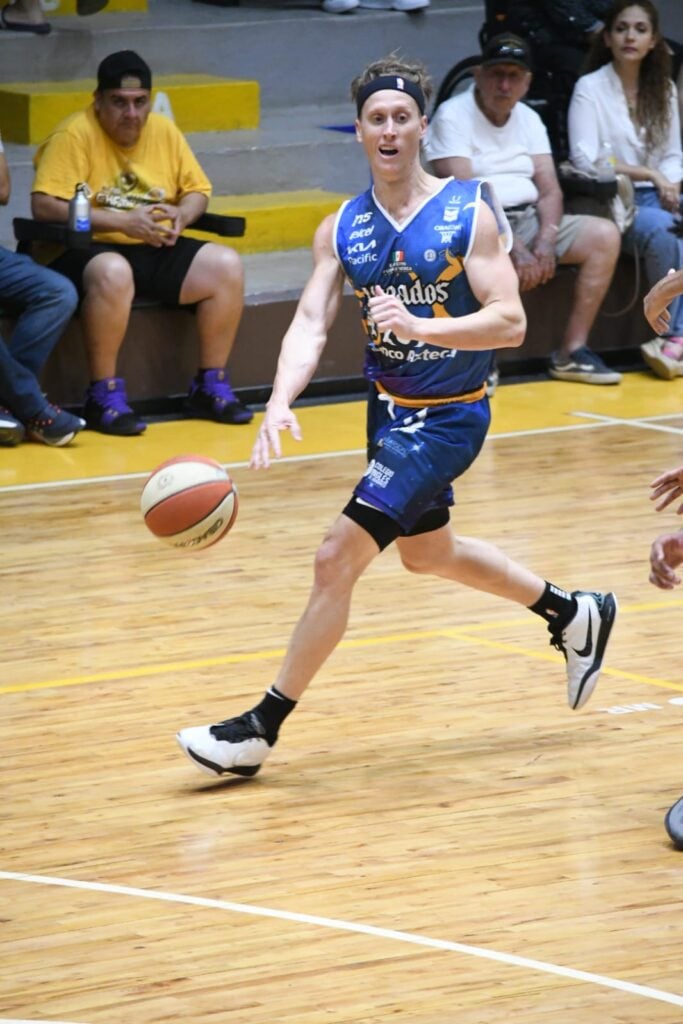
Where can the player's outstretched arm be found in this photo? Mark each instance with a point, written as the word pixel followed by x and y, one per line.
pixel 659 297
pixel 666 554
pixel 667 488
pixel 302 346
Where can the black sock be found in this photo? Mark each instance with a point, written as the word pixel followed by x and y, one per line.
pixel 554 605
pixel 273 710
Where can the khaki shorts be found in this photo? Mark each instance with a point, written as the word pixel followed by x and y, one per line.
pixel 524 224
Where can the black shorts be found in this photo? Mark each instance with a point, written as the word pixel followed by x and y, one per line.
pixel 157 273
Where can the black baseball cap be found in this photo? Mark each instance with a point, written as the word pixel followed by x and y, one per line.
pixel 124 69
pixel 507 49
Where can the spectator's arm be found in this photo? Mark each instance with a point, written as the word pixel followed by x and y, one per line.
pixel 584 133
pixel 459 167
pixel 549 204
pixel 191 207
pixel 671 165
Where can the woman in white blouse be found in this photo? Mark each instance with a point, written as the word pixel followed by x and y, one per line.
pixel 629 101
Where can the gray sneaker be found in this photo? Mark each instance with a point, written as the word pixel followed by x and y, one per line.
pixel 237 745
pixel 583 641
pixel 582 367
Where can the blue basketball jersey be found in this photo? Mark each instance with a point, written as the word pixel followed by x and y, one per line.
pixel 422 261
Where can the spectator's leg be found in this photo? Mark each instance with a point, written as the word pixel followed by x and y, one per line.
pixel 47 301
pixel 649 236
pixel 108 295
pixel 594 251
pixel 215 281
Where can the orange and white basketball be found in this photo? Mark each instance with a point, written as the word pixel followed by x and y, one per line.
pixel 189 502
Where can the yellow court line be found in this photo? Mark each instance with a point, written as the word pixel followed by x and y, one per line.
pixel 452 633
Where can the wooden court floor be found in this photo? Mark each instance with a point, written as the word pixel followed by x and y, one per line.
pixel 436 838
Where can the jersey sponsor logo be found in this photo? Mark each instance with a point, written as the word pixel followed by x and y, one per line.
pixel 430 255
pixel 378 474
pixel 362 232
pixel 419 294
pixel 452 209
pixel 447 232
pixel 366 257
pixel 361 246
pixel 361 218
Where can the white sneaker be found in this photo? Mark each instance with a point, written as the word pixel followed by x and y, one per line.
pixel 237 745
pixel 583 642
pixel 395 5
pixel 339 6
pixel 674 824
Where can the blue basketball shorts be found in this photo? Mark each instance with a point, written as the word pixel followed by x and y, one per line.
pixel 414 455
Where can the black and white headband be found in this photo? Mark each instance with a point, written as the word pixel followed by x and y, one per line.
pixel 395 82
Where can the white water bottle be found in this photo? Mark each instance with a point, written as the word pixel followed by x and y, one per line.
pixel 79 209
pixel 605 165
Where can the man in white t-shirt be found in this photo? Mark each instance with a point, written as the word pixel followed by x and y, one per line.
pixel 487 132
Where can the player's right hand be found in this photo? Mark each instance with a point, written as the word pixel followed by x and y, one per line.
pixel 276 419
pixel 667 488
pixel 666 554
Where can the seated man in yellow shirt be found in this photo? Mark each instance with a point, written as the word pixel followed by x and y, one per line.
pixel 145 186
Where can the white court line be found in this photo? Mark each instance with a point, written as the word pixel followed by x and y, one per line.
pixel 362 929
pixel 646 422
pixel 597 422
pixel 116 478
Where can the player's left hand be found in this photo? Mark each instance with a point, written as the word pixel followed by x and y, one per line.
pixel 666 554
pixel 668 487
pixel 278 417
pixel 389 314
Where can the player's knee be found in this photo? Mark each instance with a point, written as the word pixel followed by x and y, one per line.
pixel 419 562
pixel 328 566
pixel 335 568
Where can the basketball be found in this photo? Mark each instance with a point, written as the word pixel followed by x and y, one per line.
pixel 189 502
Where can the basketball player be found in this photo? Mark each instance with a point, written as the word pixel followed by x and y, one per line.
pixel 437 293
pixel 666 553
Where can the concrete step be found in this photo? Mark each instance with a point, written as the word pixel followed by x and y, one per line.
pixel 298 53
pixel 290 146
pixel 275 220
pixel 30 110
pixel 306 147
pixel 59 8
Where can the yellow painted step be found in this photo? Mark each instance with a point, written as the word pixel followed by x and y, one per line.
pixel 200 103
pixel 55 8
pixel 275 220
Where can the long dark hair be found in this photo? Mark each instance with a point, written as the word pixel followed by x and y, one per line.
pixel 654 83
